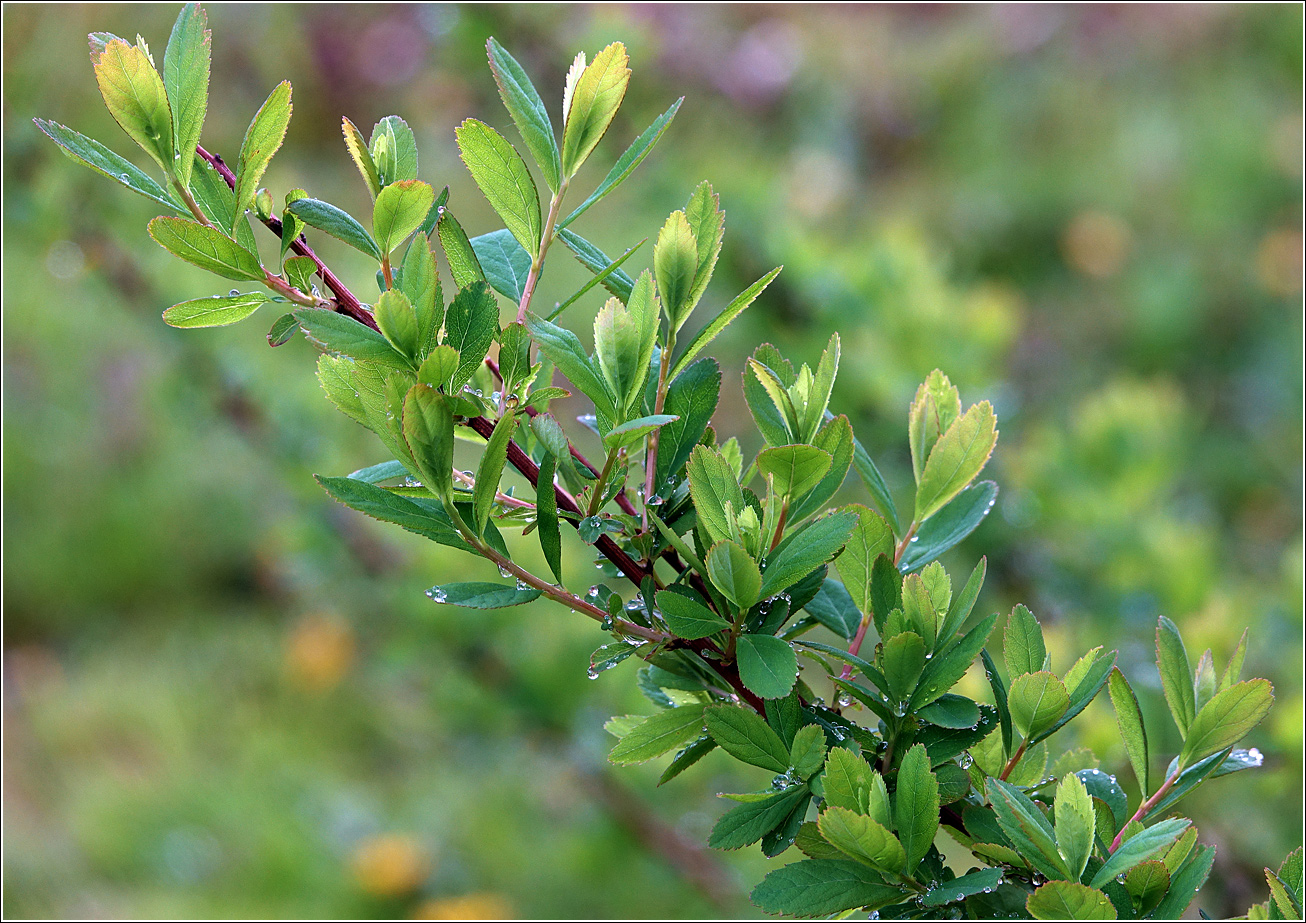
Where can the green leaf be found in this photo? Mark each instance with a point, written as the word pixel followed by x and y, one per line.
pixel 428 430
pixel 1235 667
pixel 818 887
pixel 804 550
pixel 504 179
pixel 675 259
pixel 437 369
pixel 617 347
pixel 385 471
pixel 1036 701
pixel 470 326
pixel 1147 844
pixel 746 737
pixel 339 224
pixel 1027 829
pixel 949 526
pixel 767 665
pixel 602 277
pixel 283 328
pixel 796 468
pixel 658 735
pixel 1285 899
pixel 870 538
pixel 463 262
pixel 958 889
pixel 589 108
pixel 748 823
pixel 1087 688
pixel 999 699
pixel 1075 823
pixel 136 98
pixel 1069 900
pixel 398 321
pixel 1176 674
pixel 1184 883
pixel 807 754
pixel 874 482
pixel 1226 719
pixel 713 485
pixel 186 82
pixel 565 351
pixel 642 307
pixel 916 806
pixel 903 659
pixel 936 405
pixel 780 420
pixel 616 281
pixel 546 515
pixel 951 663
pixel 341 334
pixel 481 595
pixel 692 396
pixel 505 263
pixel 849 781
pixel 862 839
pixel 490 470
pixel 627 162
pixel 262 139
pixel 687 617
pixel 834 608
pixel 707 221
pixel 1147 883
pixel 634 430
pixel 687 757
pixel 218 311
pixel 422 516
pixel 951 711
pixel 420 281
pixel 205 247
pixel 527 110
pixel 362 156
pixel 962 604
pixel 400 209
pixel 1022 643
pixel 735 574
pixel 958 456
pixel 836 438
pixel 394 150
pixel 722 320
pixel 91 153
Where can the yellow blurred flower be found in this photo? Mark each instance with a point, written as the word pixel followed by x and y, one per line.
pixel 390 865
pixel 465 907
pixel 319 652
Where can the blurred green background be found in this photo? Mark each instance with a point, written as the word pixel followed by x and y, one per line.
pixel 226 696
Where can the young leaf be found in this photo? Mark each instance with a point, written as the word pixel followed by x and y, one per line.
pixel 1022 643
pixel 206 247
pixel 807 753
pixel 1027 829
pixel 398 321
pixel 218 311
pixel 592 103
pixel 627 162
pixel 1184 883
pixel 341 334
pixel 504 179
pixel 861 838
pixel 400 209
pixel 262 139
pixel 505 263
pixel 1036 701
pixel 692 396
pixel 721 321
pixel 482 595
pixel 1226 719
pixel 916 806
pixel 428 430
pixel 186 82
pixel 903 659
pixel 936 405
pixel 767 665
pixel 1069 900
pixel 137 99
pixel 675 259
pixel 870 538
pixel 490 469
pixel 835 438
pixel 618 347
pixel 362 157
pixel 713 485
pixel 632 431
pixel 958 456
pixel 339 224
pixel 687 617
pixel 819 887
pixel 565 351
pixel 283 328
pixel 735 574
pixel 394 150
pixel 1176 674
pixel 463 262
pixel 420 282
pixel 747 738
pixel 1144 845
pixel 527 110
pixel 470 326
pixel 962 604
pixel 1147 883
pixel 663 732
pixel 1074 824
pixel 803 551
pixel 796 468
pixel 91 153
pixel 707 221
pixel 950 525
pixel 1235 667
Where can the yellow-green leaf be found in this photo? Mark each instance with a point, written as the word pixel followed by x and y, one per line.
pixel 137 99
pixel 504 179
pixel 958 456
pixel 593 100
pixel 262 139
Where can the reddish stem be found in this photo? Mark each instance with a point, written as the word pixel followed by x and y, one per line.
pixel 855 648
pixel 1144 808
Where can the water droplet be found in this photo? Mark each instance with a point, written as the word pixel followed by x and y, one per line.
pixel 504 572
pixel 845 700
pixel 437 593
pixel 234 292
pixel 592 673
pixel 126 176
pixel 606 624
pixel 965 761
pixel 915 539
pixel 900 710
pixel 594 591
pixel 522 584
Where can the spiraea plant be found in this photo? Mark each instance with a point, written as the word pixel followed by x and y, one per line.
pixel 721 567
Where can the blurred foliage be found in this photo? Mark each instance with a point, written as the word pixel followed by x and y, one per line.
pixel 226 696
